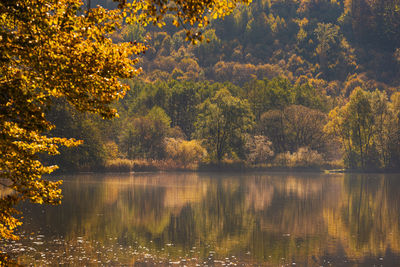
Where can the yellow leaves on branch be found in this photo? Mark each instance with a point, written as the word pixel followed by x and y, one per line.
pixel 52 49
pixel 32 142
pixel 66 54
pixel 7 222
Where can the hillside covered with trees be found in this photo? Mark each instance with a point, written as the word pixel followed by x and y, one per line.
pixel 278 83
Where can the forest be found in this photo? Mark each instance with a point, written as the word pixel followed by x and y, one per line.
pixel 276 84
pixel 193 85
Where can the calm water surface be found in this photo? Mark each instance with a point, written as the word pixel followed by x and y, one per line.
pixel 216 219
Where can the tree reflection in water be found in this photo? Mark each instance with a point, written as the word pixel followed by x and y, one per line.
pixel 254 218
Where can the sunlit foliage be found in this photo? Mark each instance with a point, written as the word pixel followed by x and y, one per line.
pixel 184 152
pixel 367 128
pixel 49 51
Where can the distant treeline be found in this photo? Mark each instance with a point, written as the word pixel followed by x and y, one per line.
pixel 262 123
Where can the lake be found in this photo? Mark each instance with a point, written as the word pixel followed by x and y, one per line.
pixel 216 219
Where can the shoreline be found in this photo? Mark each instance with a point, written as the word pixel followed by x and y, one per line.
pixel 233 169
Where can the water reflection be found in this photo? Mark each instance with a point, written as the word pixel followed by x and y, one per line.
pixel 268 219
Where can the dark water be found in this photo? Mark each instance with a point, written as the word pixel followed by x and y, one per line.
pixel 216 219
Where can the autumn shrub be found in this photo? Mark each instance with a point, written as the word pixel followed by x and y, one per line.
pixel 304 157
pixel 258 149
pixel 184 152
pixel 282 159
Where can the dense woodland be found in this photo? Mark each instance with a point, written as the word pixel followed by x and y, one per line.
pixel 279 83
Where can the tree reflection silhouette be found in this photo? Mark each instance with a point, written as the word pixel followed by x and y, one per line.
pixel 259 218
